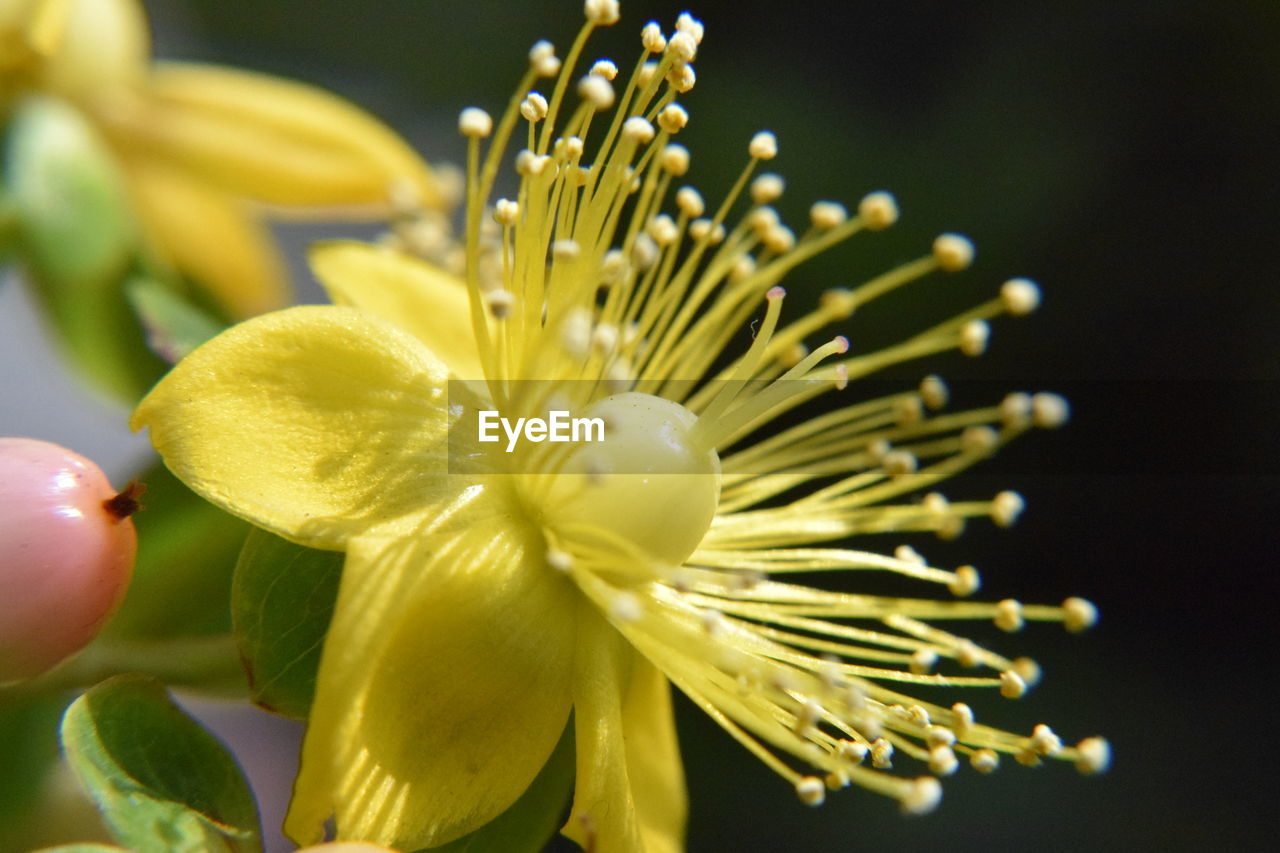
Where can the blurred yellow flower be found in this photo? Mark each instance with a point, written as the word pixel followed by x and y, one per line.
pixel 488 591
pixel 204 148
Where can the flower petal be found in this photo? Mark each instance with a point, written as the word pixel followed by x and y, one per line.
pixel 315 422
pixel 211 237
pixel 653 760
pixel 630 792
pixel 445 681
pixel 419 298
pixel 270 139
pixel 95 46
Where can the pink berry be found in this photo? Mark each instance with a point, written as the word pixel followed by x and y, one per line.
pixel 66 552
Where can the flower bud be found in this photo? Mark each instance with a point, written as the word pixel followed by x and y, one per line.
pixel 66 552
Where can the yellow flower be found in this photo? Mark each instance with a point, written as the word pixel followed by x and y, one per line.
pixel 492 587
pixel 196 142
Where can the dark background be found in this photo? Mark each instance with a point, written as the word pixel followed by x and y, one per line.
pixel 1121 153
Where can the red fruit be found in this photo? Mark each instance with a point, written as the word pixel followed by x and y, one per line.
pixel 66 552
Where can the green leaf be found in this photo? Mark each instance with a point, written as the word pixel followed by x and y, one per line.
pixel 187 551
pixel 282 601
pixel 531 820
pixel 28 749
pixel 162 782
pixel 174 326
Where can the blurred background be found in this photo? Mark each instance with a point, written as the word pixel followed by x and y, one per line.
pixel 1120 153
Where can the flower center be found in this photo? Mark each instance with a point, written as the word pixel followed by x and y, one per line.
pixel 648 482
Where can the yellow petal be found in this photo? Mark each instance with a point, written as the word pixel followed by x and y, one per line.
pixel 630 793
pixel 419 298
pixel 445 680
pixel 101 45
pixel 211 237
pixel 315 422
pixel 30 29
pixel 653 760
pixel 270 139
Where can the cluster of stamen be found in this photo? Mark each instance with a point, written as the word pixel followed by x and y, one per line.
pixel 606 274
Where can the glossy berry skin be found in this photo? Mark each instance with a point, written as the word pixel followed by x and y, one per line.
pixel 67 548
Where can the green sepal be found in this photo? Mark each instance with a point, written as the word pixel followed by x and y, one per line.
pixel 533 819
pixel 187 552
pixel 161 781
pixel 281 604
pixel 173 325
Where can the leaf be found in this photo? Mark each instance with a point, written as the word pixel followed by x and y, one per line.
pixel 531 820
pixel 281 604
pixel 174 326
pixel 28 749
pixel 162 782
pixel 187 551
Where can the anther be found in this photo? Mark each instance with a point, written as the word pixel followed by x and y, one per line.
pixel 881 754
pixel 936 503
pixel 922 797
pixel 851 750
pixel 878 210
pixel 942 760
pixel 652 39
pixel 702 229
pixel 934 393
pixel 836 780
pixel 506 212
pixel 561 561
pixel 1011 685
pixel 1020 296
pixel 1028 670
pixel 475 123
pixel 1006 507
pixel 644 252
pixel 662 229
pixel 967 653
pixel 978 439
pixel 742 269
pixel 763 146
pixel 604 339
pixel 1009 615
pixel 1094 755
pixel 533 107
pixel 908 411
pixel 767 188
pixel 985 760
pixel 625 607
pixel 1044 741
pixel 543 59
pixel 639 129
pixel 837 303
pixel 565 250
pixel 673 118
pixel 713 622
pixel 961 720
pixel 974 336
pixel 1080 614
pixel 939 736
pixel 682 77
pixel 597 90
pixel 779 240
pixel 1015 409
pixel 682 47
pixel 686 23
pixel 899 463
pixel 499 302
pixel 1049 411
pixel 602 13
pixel 811 790
pixel 690 202
pixel 675 160
pixel 966 582
pixel 923 660
pixel 604 68
pixel 952 252
pixel 826 215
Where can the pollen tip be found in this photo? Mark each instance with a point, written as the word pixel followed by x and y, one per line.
pixel 878 210
pixel 763 146
pixel 811 790
pixel 475 123
pixel 842 344
pixel 1080 614
pixel 953 252
pixel 1094 755
pixel 922 796
pixel 1020 296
